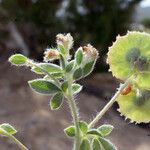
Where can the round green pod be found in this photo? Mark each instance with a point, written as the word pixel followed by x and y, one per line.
pixel 130 55
pixel 135 106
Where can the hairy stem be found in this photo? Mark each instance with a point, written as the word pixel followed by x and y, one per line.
pixel 109 104
pixel 18 143
pixel 74 112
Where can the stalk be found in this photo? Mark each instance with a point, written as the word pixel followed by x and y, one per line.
pixel 109 104
pixel 17 142
pixel 74 112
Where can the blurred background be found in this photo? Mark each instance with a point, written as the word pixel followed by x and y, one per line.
pixel 29 27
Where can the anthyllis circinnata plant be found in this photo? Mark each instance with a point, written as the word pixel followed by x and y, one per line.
pixel 129 60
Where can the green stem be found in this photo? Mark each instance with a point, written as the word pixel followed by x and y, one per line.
pixel 109 104
pixel 17 142
pixel 74 112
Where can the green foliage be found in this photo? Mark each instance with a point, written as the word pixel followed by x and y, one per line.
pixel 85 145
pixel 94 132
pixel 105 129
pixel 48 67
pixel 88 68
pixel 107 145
pixel 18 59
pixel 6 128
pixel 70 66
pixel 70 131
pixel 83 127
pixel 60 81
pixel 96 145
pixel 146 22
pixel 56 101
pixel 79 56
pixel 43 86
pixel 76 88
pixel 77 74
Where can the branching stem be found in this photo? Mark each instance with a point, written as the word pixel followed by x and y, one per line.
pixel 109 104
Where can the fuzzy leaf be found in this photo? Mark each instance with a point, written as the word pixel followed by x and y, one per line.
pixel 76 88
pixel 70 131
pixel 105 129
pixel 64 86
pixel 85 145
pixel 83 127
pixel 56 101
pixel 79 56
pixel 18 59
pixel 49 67
pixel 62 62
pixel 43 86
pixel 96 145
pixel 88 68
pixel 94 132
pixel 70 66
pixel 107 145
pixel 77 74
pixel 7 128
pixel 62 49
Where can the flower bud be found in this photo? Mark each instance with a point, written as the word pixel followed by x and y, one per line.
pixel 90 53
pixel 65 40
pixel 51 54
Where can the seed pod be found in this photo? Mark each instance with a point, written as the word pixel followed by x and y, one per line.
pixel 127 90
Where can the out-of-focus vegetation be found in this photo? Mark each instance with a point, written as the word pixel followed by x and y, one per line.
pixel 34 23
pixel 146 22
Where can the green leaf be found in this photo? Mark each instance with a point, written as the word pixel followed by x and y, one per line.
pixel 77 74
pixel 62 49
pixel 83 127
pixel 94 132
pixel 79 56
pixel 56 101
pixel 7 128
pixel 96 145
pixel 18 59
pixel 64 86
pixel 85 145
pixel 88 68
pixel 105 129
pixel 62 62
pixel 107 145
pixel 70 66
pixel 76 88
pixel 56 75
pixel 43 86
pixel 48 67
pixel 70 131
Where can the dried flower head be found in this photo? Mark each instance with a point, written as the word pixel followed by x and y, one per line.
pixel 90 53
pixel 51 54
pixel 65 39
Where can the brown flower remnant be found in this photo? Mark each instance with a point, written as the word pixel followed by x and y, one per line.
pixel 51 54
pixel 90 52
pixel 65 40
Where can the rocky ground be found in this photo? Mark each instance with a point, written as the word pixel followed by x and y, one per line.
pixel 39 128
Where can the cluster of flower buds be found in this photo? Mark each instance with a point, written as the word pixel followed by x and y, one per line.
pixel 64 44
